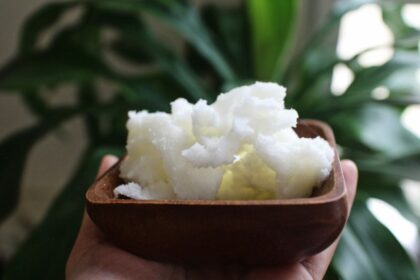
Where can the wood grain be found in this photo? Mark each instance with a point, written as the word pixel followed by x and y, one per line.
pixel 224 231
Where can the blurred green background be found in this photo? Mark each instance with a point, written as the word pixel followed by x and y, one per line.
pixel 84 64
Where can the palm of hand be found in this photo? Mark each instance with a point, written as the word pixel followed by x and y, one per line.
pixel 93 257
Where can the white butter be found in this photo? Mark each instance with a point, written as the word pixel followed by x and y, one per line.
pixel 240 147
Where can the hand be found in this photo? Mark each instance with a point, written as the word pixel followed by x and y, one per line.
pixel 93 257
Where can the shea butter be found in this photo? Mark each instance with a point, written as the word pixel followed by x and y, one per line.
pixel 242 146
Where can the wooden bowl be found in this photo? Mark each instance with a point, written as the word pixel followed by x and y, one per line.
pixel 224 231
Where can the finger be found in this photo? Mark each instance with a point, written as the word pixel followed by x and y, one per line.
pixel 350 179
pixel 318 264
pixel 106 163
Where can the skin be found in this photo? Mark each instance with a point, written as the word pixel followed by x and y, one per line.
pixel 93 257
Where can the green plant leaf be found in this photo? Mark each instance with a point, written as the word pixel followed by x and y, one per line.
pixel 38 22
pixel 351 260
pixel 343 7
pixel 148 95
pixel 319 42
pixel 44 254
pixel 180 72
pixel 332 274
pixel 230 29
pixel 366 79
pixel 50 67
pixel 130 52
pixel 404 87
pixel 132 30
pixel 83 37
pixel 13 153
pixel 405 167
pixel 272 23
pixel 387 188
pixel 88 97
pixel 380 129
pixel 397 75
pixel 392 16
pixel 33 28
pixel 382 253
pixel 34 102
pixel 314 79
pixel 318 58
pixel 402 168
pixel 184 19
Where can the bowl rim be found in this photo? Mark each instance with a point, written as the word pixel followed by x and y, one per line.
pixel 337 192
